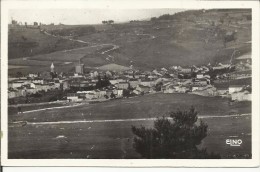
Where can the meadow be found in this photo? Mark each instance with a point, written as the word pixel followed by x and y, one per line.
pixel 89 131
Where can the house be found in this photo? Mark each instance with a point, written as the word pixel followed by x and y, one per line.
pixel 81 96
pixel 17 83
pixel 30 90
pixel 119 93
pixel 129 76
pixel 32 85
pixel 221 66
pixel 116 81
pixel 21 91
pixel 246 58
pixel 52 86
pixel 207 76
pixel 185 70
pixel 199 76
pixel 147 82
pixel 143 89
pixel 222 91
pixel 211 91
pixel 38 80
pixel 38 87
pixel 65 85
pixel 185 82
pixel 122 85
pixel 181 89
pixel 12 94
pixel 33 75
pixel 198 87
pixel 136 92
pixel 206 91
pixel 113 81
pixel 90 96
pixel 57 84
pixel 46 87
pixel 235 88
pixel 241 96
pixel 169 89
pixel 100 93
pixel 93 94
pixel 73 97
pixel 133 82
pixel 157 73
pixel 152 77
pixel 109 92
pixel 201 82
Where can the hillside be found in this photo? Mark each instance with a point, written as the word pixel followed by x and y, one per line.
pixel 186 38
pixel 27 42
pixel 210 36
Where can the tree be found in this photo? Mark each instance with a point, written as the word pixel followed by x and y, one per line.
pixel 112 96
pixel 126 92
pixel 110 21
pixel 102 82
pixel 158 86
pixel 153 18
pixel 176 137
pixel 19 74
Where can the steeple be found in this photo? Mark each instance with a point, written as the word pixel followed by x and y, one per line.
pixel 52 67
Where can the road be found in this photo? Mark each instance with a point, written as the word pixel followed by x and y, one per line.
pixel 114 47
pixel 118 120
pixel 92 44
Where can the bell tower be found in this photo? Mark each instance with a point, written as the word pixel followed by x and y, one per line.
pixel 52 67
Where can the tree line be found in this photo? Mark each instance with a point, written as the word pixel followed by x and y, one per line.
pixel 108 22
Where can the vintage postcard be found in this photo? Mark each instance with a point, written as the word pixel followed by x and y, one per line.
pixel 130 84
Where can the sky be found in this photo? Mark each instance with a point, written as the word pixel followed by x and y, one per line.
pixel 85 16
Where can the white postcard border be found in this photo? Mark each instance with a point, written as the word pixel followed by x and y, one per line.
pixel 254 5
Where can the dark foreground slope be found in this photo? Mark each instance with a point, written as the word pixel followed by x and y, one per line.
pixel 103 130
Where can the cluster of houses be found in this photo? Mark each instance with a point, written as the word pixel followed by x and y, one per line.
pixel 81 86
pixel 28 86
pixel 33 83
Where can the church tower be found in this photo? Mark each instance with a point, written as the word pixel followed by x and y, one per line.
pixel 52 68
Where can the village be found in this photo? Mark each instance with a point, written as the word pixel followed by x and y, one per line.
pixel 81 85
pixel 79 90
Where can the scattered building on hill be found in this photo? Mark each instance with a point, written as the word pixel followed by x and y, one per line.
pixel 143 89
pixel 241 96
pixel 235 88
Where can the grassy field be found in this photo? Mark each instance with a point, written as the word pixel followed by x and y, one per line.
pixel 114 139
pixel 84 138
pixel 148 106
pixel 26 42
pixel 39 63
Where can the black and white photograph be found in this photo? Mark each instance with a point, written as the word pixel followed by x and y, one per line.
pixel 94 83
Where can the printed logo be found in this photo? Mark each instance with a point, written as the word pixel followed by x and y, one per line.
pixel 234 142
